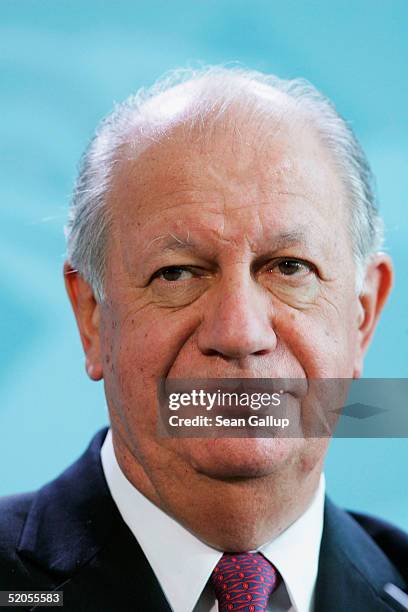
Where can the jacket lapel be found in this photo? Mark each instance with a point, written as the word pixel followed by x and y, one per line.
pixel 76 535
pixel 352 568
pixel 118 577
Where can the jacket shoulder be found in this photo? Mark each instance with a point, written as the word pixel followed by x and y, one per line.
pixel 13 514
pixel 44 534
pixel 392 540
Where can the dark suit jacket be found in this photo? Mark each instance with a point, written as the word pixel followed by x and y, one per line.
pixel 70 536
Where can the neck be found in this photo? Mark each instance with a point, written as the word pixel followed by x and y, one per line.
pixel 230 514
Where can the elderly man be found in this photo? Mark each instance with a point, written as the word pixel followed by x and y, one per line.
pixel 222 226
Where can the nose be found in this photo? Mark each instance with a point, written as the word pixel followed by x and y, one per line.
pixel 237 322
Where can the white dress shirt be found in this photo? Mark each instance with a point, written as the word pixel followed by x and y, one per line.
pixel 177 557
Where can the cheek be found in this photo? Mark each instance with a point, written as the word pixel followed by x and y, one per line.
pixel 322 341
pixel 139 348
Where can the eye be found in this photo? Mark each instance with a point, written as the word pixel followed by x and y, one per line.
pixel 173 274
pixel 292 267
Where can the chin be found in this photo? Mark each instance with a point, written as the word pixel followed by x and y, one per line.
pixel 225 458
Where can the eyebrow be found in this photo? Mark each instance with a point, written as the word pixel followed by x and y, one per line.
pixel 286 239
pixel 172 243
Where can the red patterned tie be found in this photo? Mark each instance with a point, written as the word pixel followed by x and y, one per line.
pixel 244 581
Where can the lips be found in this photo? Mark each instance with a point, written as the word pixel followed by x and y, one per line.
pixel 294 386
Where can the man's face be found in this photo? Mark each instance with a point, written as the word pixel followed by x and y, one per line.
pixel 229 257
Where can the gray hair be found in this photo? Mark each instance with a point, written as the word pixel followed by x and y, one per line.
pixel 216 90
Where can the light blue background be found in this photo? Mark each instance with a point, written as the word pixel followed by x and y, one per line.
pixel 63 63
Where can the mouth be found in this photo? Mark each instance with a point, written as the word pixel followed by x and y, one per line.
pixel 297 387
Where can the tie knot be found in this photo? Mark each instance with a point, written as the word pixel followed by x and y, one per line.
pixel 243 581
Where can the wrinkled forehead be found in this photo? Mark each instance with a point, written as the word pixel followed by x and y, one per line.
pixel 182 169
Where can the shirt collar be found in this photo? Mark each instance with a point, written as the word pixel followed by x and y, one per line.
pixel 178 557
pixel 295 552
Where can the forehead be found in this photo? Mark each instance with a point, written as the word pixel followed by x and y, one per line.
pixel 229 174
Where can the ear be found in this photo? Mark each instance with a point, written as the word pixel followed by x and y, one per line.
pixel 376 288
pixel 87 314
